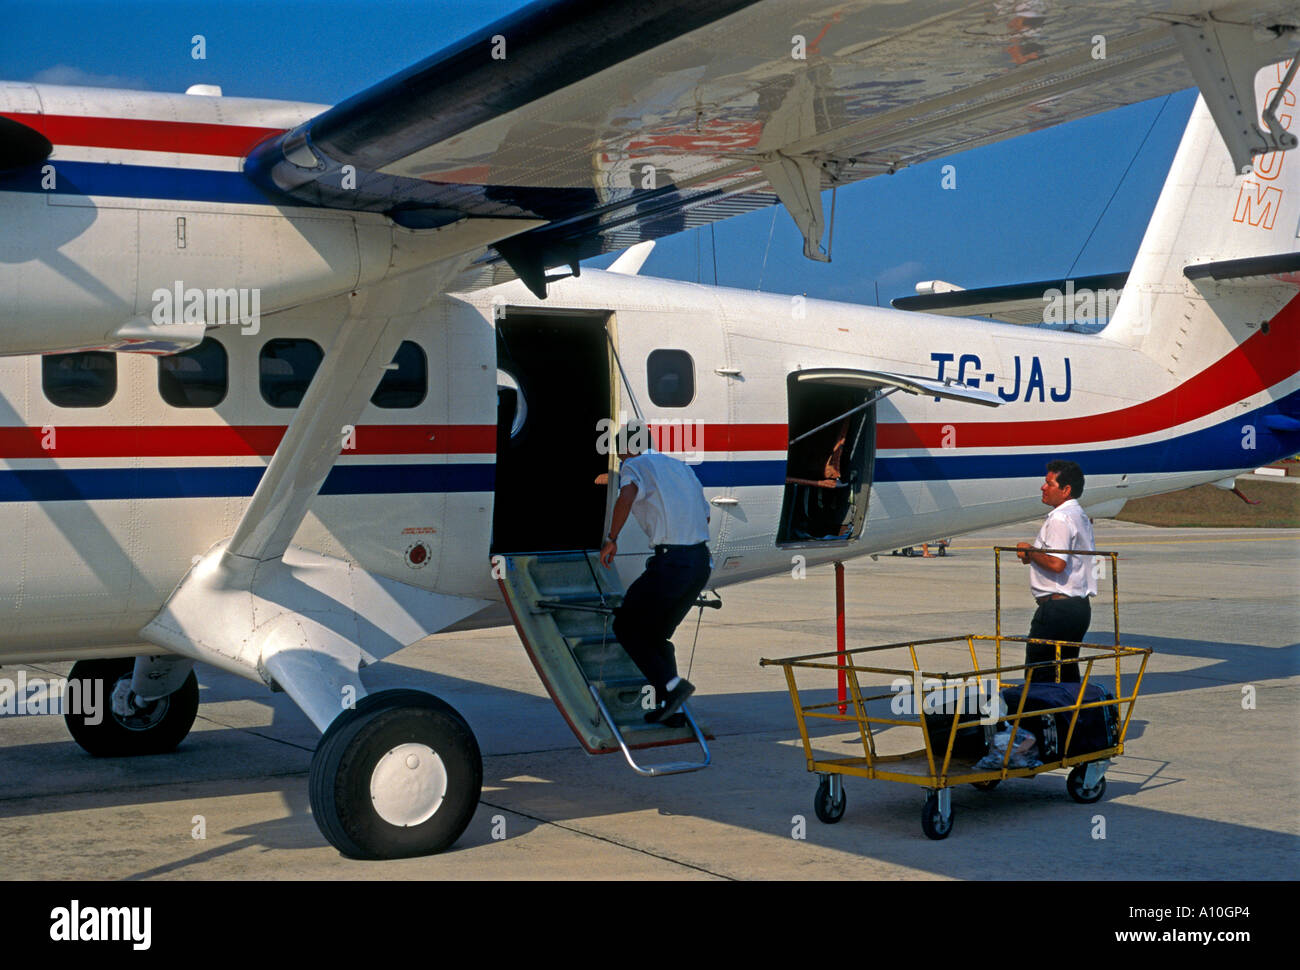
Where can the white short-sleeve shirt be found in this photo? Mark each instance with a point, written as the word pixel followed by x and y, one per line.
pixel 670 504
pixel 1066 527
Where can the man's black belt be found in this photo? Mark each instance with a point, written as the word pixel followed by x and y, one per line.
pixel 1040 600
pixel 669 548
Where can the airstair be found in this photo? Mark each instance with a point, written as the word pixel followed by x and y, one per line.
pixel 563 604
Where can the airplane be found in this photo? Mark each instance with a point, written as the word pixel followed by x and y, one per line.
pixel 287 388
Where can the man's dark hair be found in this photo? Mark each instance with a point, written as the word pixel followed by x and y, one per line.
pixel 1067 473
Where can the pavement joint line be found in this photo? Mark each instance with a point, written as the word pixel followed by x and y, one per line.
pixel 511 754
pixel 614 842
pixel 231 727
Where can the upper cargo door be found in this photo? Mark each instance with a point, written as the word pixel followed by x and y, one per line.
pixel 832 447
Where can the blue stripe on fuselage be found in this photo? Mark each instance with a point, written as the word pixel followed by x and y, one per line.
pixel 1220 446
pixel 91 484
pixel 1241 442
pixel 139 182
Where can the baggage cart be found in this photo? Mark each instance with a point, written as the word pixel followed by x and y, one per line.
pixel 944 707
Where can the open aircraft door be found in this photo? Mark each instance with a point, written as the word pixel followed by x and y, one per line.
pixel 557 385
pixel 830 463
pixel 562 605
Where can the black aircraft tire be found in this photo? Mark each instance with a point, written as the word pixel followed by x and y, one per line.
pixel 397 776
pixel 156 728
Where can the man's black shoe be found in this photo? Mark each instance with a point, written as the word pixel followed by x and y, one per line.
pixel 673 701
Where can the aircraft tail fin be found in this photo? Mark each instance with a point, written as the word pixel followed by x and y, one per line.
pixel 1220 261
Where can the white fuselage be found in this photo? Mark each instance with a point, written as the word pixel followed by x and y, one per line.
pixel 160 484
pixel 106 507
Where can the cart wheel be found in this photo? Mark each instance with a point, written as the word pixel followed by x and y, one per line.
pixel 933 823
pixel 943 550
pixel 909 551
pixel 986 785
pixel 829 809
pixel 1085 796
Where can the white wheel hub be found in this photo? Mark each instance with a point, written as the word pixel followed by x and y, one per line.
pixel 408 784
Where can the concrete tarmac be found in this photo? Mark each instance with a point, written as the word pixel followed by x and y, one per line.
pixel 1208 787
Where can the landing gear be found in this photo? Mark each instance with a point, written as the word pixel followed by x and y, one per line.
pixel 399 775
pixel 153 727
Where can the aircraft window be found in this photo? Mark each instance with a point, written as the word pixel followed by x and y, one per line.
pixel 671 376
pixel 286 368
pixel 406 386
pixel 81 380
pixel 197 378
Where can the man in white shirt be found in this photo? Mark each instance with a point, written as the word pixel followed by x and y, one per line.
pixel 668 502
pixel 1061 585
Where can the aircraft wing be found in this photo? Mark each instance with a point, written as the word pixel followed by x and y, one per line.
pixel 618 121
pixel 1282 269
pixel 1080 300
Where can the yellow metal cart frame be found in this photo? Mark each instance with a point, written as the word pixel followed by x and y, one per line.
pixel 935 767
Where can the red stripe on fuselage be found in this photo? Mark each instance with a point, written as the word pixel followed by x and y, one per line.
pixel 198 138
pixel 1261 361
pixel 70 441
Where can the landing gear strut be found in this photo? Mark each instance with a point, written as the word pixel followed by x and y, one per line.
pixel 152 727
pixel 399 775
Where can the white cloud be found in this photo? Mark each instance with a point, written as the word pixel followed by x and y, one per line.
pixel 908 273
pixel 76 77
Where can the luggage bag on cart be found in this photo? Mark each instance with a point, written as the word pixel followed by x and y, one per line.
pixel 1096 729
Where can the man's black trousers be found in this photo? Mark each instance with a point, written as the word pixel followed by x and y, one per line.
pixel 654 605
pixel 1065 619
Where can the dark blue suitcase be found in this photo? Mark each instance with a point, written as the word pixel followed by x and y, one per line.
pixel 1096 729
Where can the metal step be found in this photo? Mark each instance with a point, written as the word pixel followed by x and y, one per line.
pixel 665 768
pixel 562 603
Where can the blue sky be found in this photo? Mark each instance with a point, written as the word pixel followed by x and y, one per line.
pixel 1071 199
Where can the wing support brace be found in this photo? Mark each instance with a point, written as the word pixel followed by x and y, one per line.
pixel 303 622
pixel 1224 58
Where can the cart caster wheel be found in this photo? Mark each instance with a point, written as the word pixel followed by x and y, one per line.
pixel 828 808
pixel 934 824
pixel 1085 796
pixel 943 550
pixel 986 785
pixel 909 551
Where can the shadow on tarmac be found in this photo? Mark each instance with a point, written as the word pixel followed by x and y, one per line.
pixel 1027 828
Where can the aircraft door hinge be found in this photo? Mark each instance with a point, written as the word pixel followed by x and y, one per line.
pixel 1224 59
